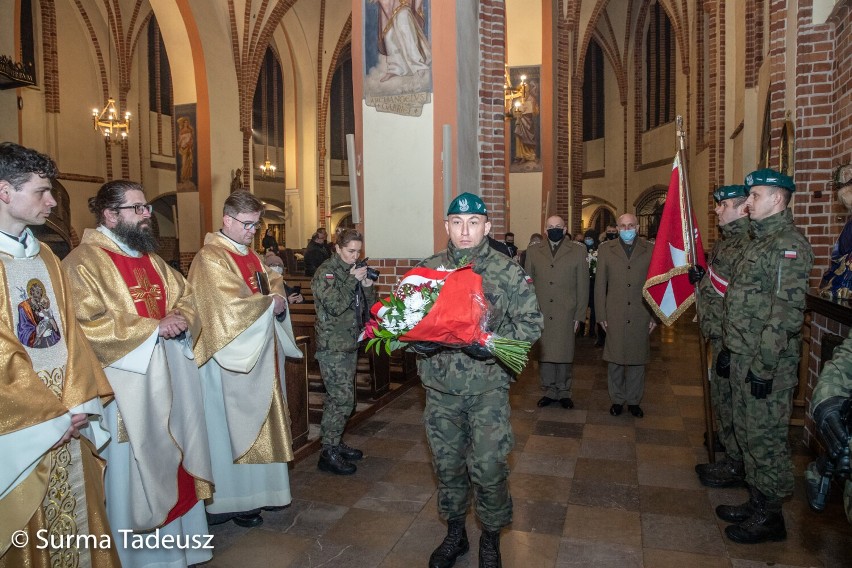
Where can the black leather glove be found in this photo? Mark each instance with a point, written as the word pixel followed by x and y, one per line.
pixel 828 416
pixel 477 351
pixel 723 363
pixel 760 388
pixel 696 273
pixel 425 348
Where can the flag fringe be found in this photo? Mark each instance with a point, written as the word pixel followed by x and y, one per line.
pixel 669 320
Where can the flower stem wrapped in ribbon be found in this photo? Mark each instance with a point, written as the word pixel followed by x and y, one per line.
pixel 445 307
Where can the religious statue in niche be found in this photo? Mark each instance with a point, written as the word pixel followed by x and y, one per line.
pixel 397 56
pixel 186 148
pixel 525 144
pixel 237 180
pixel 837 280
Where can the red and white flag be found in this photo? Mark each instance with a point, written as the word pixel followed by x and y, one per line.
pixel 667 289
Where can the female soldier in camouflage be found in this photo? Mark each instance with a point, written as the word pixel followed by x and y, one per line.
pixel 336 285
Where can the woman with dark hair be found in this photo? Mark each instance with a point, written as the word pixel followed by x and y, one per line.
pixel 269 243
pixel 341 294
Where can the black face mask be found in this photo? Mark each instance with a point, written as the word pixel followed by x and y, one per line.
pixel 611 236
pixel 555 235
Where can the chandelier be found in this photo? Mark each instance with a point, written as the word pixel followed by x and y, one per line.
pixel 267 169
pixel 107 122
pixel 513 96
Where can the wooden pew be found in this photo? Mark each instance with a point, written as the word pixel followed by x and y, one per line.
pixel 296 381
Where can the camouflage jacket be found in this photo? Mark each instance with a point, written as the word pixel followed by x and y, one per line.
pixel 836 376
pixel 765 302
pixel 334 299
pixel 735 238
pixel 513 313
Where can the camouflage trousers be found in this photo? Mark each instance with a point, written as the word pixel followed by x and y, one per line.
pixel 337 369
pixel 470 438
pixel 723 407
pixel 761 427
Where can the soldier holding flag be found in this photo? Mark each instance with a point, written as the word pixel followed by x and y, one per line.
pixel 733 225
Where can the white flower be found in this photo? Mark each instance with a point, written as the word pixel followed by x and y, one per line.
pixel 414 302
pixel 413 318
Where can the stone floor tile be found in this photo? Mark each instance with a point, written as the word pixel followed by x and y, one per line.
pixel 608 525
pixel 670 532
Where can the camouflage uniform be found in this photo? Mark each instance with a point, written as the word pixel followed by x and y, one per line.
pixel 763 314
pixel 467 399
pixel 735 238
pixel 337 342
pixel 836 380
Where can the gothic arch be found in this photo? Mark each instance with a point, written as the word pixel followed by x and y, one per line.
pixel 343 41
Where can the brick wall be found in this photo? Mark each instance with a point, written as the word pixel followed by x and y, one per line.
pixel 563 137
pixel 820 327
pixel 492 146
pixel 822 127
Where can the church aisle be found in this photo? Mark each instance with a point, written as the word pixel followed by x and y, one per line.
pixel 589 489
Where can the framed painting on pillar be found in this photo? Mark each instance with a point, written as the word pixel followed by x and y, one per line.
pixel 522 92
pixel 397 55
pixel 186 148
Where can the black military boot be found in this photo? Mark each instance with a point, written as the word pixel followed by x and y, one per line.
pixel 454 545
pixel 765 524
pixel 739 513
pixel 489 549
pixel 723 473
pixel 332 461
pixel 349 453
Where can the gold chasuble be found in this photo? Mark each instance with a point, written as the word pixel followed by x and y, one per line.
pixel 49 372
pixel 247 344
pixel 120 299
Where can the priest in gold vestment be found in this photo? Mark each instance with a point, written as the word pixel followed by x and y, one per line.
pixel 140 317
pixel 51 389
pixel 246 336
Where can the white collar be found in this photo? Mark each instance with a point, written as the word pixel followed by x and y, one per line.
pixel 243 249
pixel 13 246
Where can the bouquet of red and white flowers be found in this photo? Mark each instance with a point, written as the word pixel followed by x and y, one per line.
pixel 446 307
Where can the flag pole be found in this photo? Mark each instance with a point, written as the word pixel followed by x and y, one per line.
pixel 709 422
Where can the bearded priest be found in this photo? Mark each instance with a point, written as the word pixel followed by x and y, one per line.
pixel 247 334
pixel 139 315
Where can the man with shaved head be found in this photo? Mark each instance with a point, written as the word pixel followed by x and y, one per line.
pixel 561 275
pixel 623 315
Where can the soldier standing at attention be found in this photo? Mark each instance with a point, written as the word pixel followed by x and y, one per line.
pixel 761 328
pixel 467 391
pixel 732 215
pixel 340 292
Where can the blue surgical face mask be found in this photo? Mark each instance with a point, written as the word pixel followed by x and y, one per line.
pixel 627 235
pixel 589 242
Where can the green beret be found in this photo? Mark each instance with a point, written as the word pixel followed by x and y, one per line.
pixel 467 204
pixel 729 192
pixel 768 176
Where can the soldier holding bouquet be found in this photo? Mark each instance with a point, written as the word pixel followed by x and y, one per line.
pixel 467 390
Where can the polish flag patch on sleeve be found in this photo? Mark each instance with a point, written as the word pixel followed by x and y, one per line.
pixel 329 276
pixel 528 278
pixel 790 254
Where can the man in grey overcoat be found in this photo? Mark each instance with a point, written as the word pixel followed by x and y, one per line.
pixel 624 315
pixel 560 274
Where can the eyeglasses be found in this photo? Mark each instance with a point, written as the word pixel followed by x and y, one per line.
pixel 138 209
pixel 247 225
